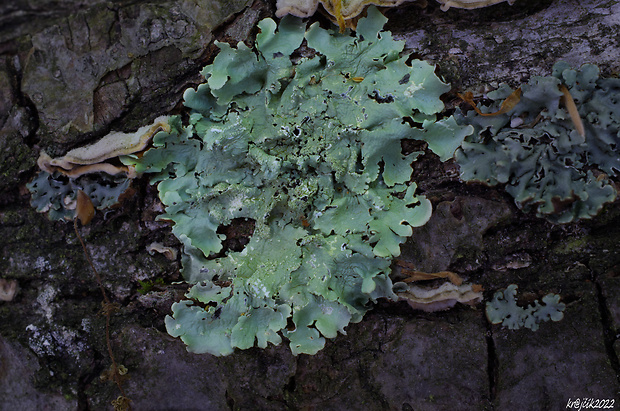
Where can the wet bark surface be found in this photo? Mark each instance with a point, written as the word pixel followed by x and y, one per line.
pixel 72 71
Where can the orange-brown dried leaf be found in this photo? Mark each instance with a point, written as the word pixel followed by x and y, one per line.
pixel 511 101
pixel 413 276
pixel 572 111
pixel 85 211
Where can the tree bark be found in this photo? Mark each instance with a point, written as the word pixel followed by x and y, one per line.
pixel 71 71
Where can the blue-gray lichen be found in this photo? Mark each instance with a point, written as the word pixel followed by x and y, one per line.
pixel 537 150
pixel 503 309
pixel 56 194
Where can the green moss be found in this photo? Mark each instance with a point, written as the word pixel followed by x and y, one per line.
pixel 149 285
pixel 573 246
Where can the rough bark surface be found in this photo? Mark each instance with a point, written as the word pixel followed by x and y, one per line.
pixel 71 71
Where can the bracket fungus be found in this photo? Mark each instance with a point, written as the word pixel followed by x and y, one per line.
pixel 470 4
pixel 432 297
pixel 93 158
pixel 443 297
pixel 156 247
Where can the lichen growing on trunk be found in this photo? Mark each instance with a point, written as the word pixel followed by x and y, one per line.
pixel 309 151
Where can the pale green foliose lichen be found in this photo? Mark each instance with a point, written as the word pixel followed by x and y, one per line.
pixel 537 151
pixel 308 152
pixel 503 309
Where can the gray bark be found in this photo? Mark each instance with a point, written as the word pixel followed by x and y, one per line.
pixel 72 71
